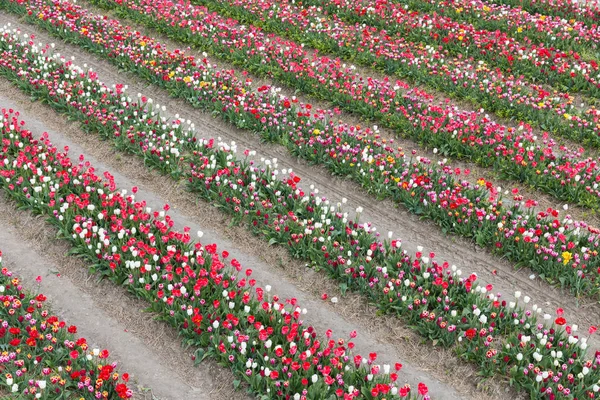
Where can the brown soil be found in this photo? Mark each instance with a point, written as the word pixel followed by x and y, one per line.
pixel 545 200
pixel 293 281
pixel 106 315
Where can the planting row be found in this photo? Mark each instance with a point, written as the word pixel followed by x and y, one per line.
pixel 42 358
pixel 213 302
pixel 545 64
pixel 461 77
pixel 586 11
pixel 513 153
pixel 130 245
pixel 562 251
pixel 571 34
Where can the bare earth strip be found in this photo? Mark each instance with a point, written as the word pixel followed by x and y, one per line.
pixel 105 314
pixel 320 317
pixel 545 200
pixel 383 214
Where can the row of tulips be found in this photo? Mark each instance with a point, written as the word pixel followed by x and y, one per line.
pixel 463 78
pixel 545 64
pixel 42 357
pixel 429 295
pixel 513 153
pixel 585 10
pixel 215 306
pixel 553 31
pixel 563 251
pixel 219 308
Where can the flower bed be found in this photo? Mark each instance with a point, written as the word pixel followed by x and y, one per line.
pixel 562 251
pixel 42 358
pixel 215 305
pixel 513 153
pixel 547 64
pixel 566 34
pixel 185 281
pixel 588 12
pixel 460 77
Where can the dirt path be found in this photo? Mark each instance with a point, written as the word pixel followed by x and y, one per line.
pixel 105 315
pixel 318 316
pixel 137 85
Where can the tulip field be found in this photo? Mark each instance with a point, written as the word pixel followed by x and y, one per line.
pixel 299 199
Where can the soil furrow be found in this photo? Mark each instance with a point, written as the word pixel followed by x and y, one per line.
pixel 247 250
pixel 105 314
pixel 545 200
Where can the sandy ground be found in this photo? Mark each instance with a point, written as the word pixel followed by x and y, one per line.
pixel 249 252
pixel 106 315
pixel 408 144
